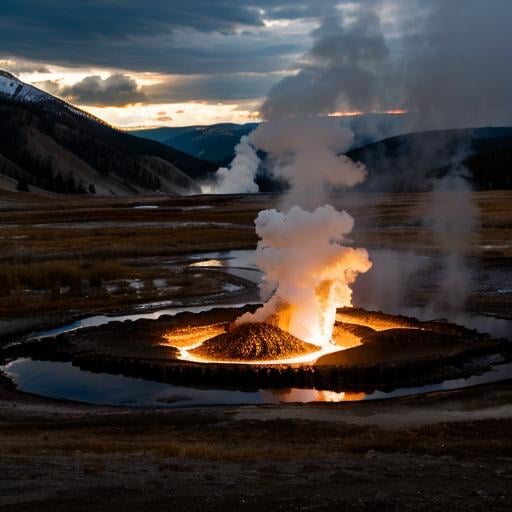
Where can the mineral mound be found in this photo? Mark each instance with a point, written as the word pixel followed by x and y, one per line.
pixel 254 341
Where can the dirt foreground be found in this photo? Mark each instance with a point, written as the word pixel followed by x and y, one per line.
pixel 446 450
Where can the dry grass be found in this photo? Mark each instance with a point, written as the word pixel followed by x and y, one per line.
pixel 267 440
pixel 22 242
pixel 54 275
pixel 116 243
pixel 204 450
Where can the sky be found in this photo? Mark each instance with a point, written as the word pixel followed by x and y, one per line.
pixel 180 62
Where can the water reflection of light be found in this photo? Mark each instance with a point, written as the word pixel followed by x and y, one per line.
pixel 208 263
pixel 313 395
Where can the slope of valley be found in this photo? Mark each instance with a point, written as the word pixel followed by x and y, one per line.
pixel 48 144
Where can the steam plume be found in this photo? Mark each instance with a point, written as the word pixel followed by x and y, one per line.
pixel 307 270
pixel 306 153
pixel 340 70
pixel 239 177
pixel 453 217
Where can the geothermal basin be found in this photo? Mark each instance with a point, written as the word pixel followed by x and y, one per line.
pixel 198 358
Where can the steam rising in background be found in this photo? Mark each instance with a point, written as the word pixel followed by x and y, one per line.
pixel 453 218
pixel 440 72
pixel 239 176
pixel 458 70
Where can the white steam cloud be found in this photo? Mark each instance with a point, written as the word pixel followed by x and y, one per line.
pixel 453 217
pixel 308 272
pixel 305 152
pixel 307 269
pixel 239 177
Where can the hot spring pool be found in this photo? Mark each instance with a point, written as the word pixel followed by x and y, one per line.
pixel 62 380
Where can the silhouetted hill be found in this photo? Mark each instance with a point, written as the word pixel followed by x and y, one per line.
pixel 409 162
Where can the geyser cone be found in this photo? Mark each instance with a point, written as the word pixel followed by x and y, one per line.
pixel 253 342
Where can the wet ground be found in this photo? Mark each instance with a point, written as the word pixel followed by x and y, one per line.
pixel 439 451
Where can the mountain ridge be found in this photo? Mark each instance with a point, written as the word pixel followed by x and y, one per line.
pixel 48 144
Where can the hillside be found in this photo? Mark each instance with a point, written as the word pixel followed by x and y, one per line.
pixel 48 144
pixel 217 142
pixel 409 162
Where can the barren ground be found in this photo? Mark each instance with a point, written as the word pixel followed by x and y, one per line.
pixel 450 450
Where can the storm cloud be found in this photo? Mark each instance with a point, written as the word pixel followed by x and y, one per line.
pixel 446 62
pixel 190 37
pixel 340 71
pixel 116 90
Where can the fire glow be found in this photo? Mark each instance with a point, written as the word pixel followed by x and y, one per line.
pixel 188 338
pixel 311 358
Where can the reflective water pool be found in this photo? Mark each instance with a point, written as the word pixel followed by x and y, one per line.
pixel 65 381
pixel 94 321
pixel 238 263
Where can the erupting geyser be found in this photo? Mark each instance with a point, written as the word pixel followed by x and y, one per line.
pixel 308 270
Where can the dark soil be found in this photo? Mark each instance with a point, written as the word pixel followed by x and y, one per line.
pixel 254 341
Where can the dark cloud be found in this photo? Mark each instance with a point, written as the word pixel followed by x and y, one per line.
pixel 178 36
pixel 17 67
pixel 340 71
pixel 117 90
pixel 447 62
pixel 214 88
pixel 458 66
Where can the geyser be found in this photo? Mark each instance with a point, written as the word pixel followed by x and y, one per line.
pixel 308 270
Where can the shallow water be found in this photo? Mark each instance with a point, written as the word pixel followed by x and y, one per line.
pixel 94 321
pixel 241 263
pixel 65 381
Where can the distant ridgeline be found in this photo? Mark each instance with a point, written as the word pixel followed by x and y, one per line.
pixel 405 162
pixel 410 162
pixel 48 144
